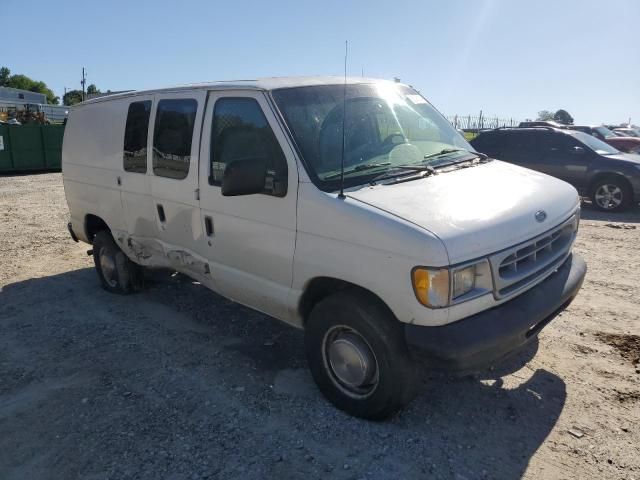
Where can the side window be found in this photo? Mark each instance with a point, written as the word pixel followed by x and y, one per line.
pixel 490 143
pixel 241 131
pixel 545 142
pixel 520 146
pixel 596 134
pixel 535 143
pixel 134 157
pixel 564 143
pixel 172 137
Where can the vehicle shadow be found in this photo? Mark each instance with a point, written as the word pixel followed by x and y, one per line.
pixel 177 358
pixel 589 212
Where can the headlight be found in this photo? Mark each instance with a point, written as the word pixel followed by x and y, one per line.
pixel 464 279
pixel 440 287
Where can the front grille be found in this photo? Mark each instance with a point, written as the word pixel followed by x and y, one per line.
pixel 518 267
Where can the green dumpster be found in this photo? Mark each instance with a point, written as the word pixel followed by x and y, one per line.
pixel 30 147
pixel 52 143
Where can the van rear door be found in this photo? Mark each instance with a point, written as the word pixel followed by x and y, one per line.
pixel 137 201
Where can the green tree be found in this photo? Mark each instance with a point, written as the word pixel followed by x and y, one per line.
pixel 92 89
pixel 75 96
pixel 562 116
pixel 23 82
pixel 72 97
pixel 545 116
pixel 5 73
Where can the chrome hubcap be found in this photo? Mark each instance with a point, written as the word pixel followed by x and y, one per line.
pixel 352 364
pixel 108 267
pixel 608 196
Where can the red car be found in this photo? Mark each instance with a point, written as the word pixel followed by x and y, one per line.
pixel 624 144
pixel 627 132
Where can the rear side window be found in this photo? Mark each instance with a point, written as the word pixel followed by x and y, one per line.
pixel 521 145
pixel 134 156
pixel 241 131
pixel 487 142
pixel 172 137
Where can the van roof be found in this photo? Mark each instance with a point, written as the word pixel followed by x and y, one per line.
pixel 263 84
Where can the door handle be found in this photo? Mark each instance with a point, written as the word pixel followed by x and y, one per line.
pixel 161 215
pixel 119 181
pixel 208 225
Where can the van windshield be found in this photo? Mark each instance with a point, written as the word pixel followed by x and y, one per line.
pixel 385 125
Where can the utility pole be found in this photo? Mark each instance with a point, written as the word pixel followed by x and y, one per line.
pixel 84 83
pixel 65 94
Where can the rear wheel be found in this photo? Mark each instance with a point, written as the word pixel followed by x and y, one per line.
pixel 358 356
pixel 611 194
pixel 117 273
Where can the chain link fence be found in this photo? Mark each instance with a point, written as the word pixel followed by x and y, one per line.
pixel 471 123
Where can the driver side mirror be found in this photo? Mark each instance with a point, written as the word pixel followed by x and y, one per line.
pixel 246 176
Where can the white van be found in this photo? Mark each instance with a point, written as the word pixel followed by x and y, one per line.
pixel 432 251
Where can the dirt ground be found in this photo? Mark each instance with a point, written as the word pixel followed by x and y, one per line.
pixel 179 383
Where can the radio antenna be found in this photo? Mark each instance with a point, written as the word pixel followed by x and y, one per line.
pixel 344 120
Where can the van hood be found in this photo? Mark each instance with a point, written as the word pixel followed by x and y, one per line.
pixel 479 210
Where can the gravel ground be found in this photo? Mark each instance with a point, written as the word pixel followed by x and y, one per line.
pixel 177 382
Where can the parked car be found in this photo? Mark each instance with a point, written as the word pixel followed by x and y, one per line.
pixel 540 123
pixel 609 177
pixel 628 131
pixel 628 144
pixel 354 211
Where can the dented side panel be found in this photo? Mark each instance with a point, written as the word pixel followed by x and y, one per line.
pixel 231 283
pixel 151 252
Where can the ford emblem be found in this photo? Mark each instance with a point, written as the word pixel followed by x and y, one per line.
pixel 541 216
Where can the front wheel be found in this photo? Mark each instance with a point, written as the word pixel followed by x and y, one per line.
pixel 611 194
pixel 358 356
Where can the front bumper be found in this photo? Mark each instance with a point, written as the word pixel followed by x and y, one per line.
pixel 481 340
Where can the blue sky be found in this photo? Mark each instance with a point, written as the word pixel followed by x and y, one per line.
pixel 510 58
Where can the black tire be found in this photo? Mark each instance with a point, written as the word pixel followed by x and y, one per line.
pixel 396 381
pixel 621 200
pixel 126 276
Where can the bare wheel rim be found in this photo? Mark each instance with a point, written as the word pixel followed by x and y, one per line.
pixel 608 196
pixel 108 268
pixel 350 362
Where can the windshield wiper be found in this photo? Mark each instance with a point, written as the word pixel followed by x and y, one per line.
pixel 357 168
pixel 446 151
pixel 418 168
pixel 407 170
pixel 428 169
